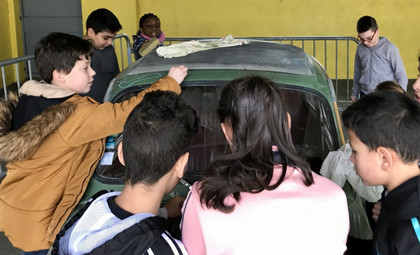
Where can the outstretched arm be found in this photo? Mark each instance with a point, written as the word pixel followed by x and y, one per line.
pixel 108 118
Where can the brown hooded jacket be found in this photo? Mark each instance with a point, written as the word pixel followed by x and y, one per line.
pixel 52 157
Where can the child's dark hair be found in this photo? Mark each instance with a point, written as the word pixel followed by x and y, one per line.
pixel 365 23
pixel 389 86
pixel 388 119
pixel 158 131
pixel 101 20
pixel 145 17
pixel 253 107
pixel 59 51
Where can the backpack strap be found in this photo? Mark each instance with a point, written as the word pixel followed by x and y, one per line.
pixel 416 227
pixel 73 220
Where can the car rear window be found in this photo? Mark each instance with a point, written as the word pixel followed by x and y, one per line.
pixel 313 128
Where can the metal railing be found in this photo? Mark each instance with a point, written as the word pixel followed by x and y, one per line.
pixel 15 63
pixel 326 49
pixel 124 49
pixel 330 50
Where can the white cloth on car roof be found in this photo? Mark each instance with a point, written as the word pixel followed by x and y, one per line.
pixel 185 48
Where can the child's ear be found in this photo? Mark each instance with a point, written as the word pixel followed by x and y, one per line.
pixel 227 130
pixel 120 154
pixel 181 164
pixel 387 157
pixel 289 120
pixel 90 32
pixel 59 76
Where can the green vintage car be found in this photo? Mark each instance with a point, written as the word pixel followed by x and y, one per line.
pixel 308 94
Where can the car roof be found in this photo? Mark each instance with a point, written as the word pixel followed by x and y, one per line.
pixel 282 63
pixel 256 55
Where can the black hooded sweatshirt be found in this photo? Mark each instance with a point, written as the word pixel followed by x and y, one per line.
pixel 397 230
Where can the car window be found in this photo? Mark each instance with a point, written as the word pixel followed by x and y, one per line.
pixel 313 128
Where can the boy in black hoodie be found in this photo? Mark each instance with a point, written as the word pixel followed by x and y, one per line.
pixel 384 135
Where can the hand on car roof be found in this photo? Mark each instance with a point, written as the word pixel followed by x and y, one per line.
pixel 178 73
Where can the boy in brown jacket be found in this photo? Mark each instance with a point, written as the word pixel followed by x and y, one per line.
pixel 53 139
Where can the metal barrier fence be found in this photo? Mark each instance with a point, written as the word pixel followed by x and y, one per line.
pixel 124 49
pixel 336 58
pixel 339 49
pixel 15 62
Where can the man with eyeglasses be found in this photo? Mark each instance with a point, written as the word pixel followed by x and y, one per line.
pixel 377 60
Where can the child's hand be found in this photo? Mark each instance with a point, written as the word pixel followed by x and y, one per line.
pixel 376 210
pixel 174 206
pixel 178 73
pixel 144 43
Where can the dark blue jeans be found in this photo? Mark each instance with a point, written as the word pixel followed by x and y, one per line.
pixel 40 252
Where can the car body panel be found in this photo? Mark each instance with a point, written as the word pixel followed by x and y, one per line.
pixel 300 77
pixel 282 63
pixel 256 55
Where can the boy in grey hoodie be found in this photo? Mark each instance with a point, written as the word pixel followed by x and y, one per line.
pixel 376 60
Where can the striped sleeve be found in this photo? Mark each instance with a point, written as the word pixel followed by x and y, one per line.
pixel 166 244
